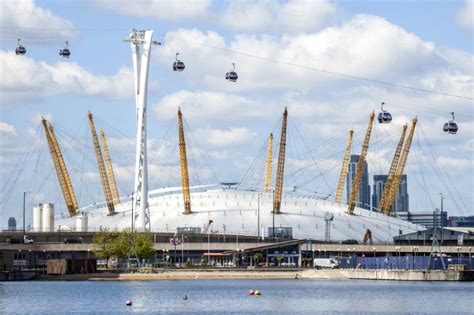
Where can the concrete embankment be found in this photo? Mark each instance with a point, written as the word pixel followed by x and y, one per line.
pixel 176 275
pixel 336 274
pixel 396 275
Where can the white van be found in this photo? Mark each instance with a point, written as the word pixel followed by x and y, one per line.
pixel 326 263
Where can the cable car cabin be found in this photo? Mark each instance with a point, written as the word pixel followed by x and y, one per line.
pixel 64 53
pixel 20 50
pixel 384 118
pixel 178 66
pixel 450 127
pixel 231 76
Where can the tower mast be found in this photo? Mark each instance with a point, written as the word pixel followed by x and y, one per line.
pixel 110 170
pixel 393 168
pixel 360 167
pixel 184 165
pixel 268 165
pixel 280 167
pixel 64 170
pixel 140 69
pixel 59 172
pixel 100 163
pixel 342 176
pixel 400 168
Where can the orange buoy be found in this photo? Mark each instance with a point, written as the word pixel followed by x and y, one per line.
pixel 128 303
pixel 251 292
pixel 258 292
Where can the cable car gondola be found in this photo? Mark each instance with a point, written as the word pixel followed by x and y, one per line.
pixel 20 50
pixel 451 127
pixel 384 117
pixel 232 75
pixel 65 51
pixel 178 65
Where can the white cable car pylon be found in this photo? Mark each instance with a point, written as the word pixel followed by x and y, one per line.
pixel 141 64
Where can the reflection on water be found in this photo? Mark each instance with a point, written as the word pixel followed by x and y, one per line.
pixel 230 296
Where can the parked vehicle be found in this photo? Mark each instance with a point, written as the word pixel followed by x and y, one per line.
pixel 20 240
pixel 73 240
pixel 326 263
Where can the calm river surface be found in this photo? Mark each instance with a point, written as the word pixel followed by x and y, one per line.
pixel 231 297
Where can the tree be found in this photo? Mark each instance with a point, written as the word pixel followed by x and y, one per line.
pixel 108 244
pixel 104 244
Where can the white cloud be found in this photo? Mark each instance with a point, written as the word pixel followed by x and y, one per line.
pixel 211 106
pixel 461 165
pixel 232 137
pixel 159 9
pixel 30 21
pixel 379 50
pixel 7 130
pixel 40 80
pixel 465 16
pixel 271 16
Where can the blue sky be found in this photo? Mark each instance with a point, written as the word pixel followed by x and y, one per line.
pixel 423 44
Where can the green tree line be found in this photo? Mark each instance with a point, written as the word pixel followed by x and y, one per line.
pixel 114 244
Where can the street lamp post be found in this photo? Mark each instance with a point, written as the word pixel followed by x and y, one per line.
pixel 24 220
pixel 442 234
pixel 273 216
pixel 258 216
pixel 375 260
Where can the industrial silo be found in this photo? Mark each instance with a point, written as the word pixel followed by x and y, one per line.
pixel 48 217
pixel 38 219
pixel 81 222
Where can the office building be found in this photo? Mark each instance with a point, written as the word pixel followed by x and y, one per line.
pixel 363 199
pixel 401 202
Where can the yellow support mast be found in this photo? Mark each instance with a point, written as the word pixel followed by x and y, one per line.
pixel 393 168
pixel 280 167
pixel 110 170
pixel 400 169
pixel 100 163
pixel 268 165
pixel 342 176
pixel 59 172
pixel 64 170
pixel 360 167
pixel 184 165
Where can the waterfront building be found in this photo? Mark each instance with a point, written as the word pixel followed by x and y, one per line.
pixel 427 218
pixel 461 221
pixel 363 199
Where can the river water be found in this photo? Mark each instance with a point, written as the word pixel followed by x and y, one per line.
pixel 231 297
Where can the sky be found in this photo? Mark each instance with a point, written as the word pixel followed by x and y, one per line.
pixel 329 62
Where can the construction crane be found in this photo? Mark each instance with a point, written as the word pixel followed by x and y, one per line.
pixel 206 228
pixel 367 237
pixel 342 176
pixel 60 168
pixel 280 166
pixel 360 167
pixel 400 169
pixel 268 165
pixel 393 168
pixel 110 170
pixel 184 165
pixel 100 163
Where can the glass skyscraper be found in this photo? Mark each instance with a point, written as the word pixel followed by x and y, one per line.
pixel 363 199
pixel 401 203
